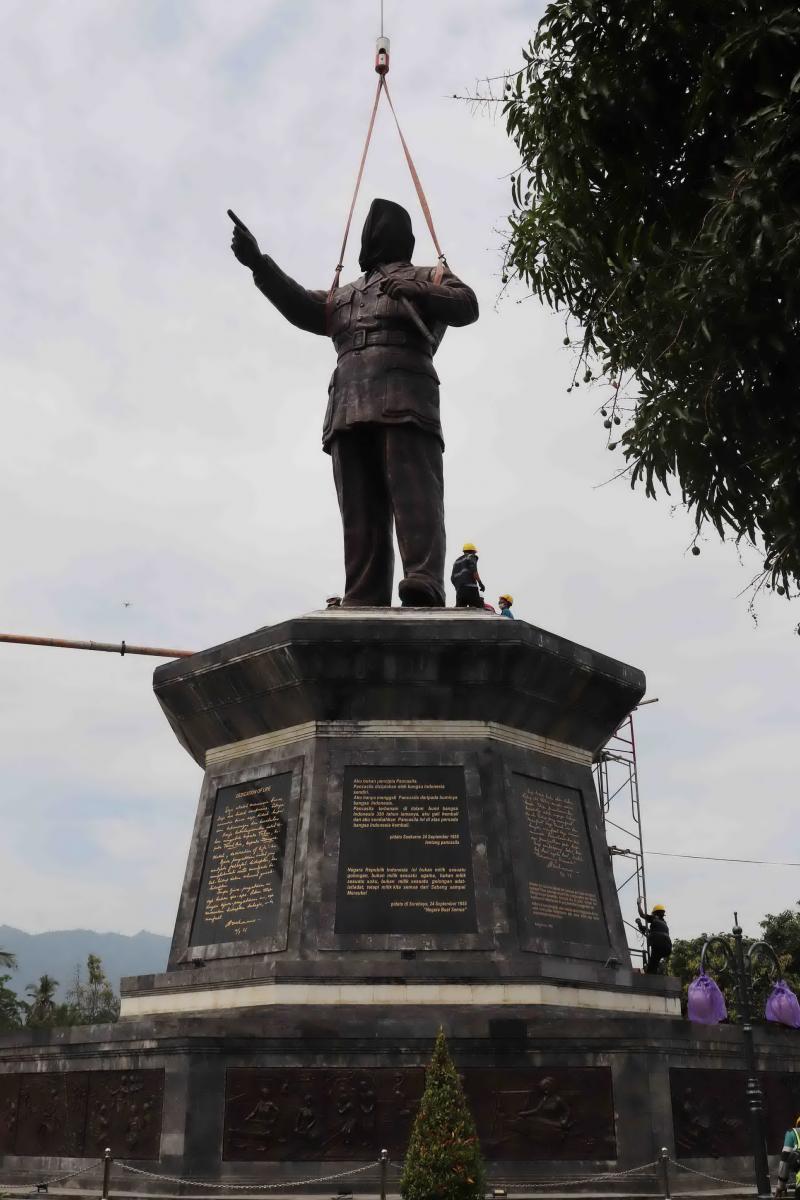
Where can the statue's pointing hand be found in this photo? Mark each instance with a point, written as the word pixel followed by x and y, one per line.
pixel 243 244
pixel 409 289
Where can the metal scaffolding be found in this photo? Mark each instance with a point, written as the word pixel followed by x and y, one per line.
pixel 617 782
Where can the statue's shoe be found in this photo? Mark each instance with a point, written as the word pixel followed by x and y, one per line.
pixel 414 594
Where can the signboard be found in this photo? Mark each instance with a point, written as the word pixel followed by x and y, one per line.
pixel 240 887
pixel 557 879
pixel 405 853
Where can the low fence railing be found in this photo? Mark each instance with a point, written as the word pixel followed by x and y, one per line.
pixel 657 1173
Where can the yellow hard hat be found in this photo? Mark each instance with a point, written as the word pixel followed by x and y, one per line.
pixel 658 908
pixel 507 596
pixel 469 547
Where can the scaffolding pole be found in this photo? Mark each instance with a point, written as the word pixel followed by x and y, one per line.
pixel 22 639
pixel 617 781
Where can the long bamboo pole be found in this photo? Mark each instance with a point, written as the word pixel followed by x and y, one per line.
pixel 107 647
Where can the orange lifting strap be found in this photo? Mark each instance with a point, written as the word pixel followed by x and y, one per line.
pixel 382 67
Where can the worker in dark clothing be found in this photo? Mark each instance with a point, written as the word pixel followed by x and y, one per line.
pixel 789 1166
pixel 466 580
pixel 656 929
pixel 382 425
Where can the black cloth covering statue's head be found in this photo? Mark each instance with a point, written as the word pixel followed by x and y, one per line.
pixel 386 236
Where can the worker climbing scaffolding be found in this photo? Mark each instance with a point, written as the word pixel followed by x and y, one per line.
pixel 659 943
pixel 382 427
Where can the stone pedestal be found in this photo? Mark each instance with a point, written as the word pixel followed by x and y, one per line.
pixel 398 809
pixel 397 831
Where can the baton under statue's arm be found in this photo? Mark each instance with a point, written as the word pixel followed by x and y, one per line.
pixel 303 308
pixel 451 301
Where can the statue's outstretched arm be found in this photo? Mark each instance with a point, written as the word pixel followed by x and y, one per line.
pixel 303 308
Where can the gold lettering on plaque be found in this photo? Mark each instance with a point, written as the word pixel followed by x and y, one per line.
pixel 554 836
pixel 392 882
pixel 408 816
pixel 550 901
pixel 404 807
pixel 242 859
pixel 553 830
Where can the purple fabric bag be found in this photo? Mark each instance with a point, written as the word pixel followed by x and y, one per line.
pixel 706 1003
pixel 782 1006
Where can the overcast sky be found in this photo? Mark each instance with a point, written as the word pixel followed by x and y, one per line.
pixel 161 436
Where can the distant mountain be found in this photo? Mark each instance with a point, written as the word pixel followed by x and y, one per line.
pixel 57 953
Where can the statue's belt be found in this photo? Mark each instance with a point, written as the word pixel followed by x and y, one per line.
pixel 362 338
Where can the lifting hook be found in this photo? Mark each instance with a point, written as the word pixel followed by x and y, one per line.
pixel 382 55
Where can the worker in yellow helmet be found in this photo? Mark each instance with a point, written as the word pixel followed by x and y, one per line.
pixel 505 602
pixel 656 929
pixel 465 578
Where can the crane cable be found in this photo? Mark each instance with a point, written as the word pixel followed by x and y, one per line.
pixel 382 68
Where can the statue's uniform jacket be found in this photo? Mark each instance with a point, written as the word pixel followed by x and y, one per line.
pixel 385 372
pixel 382 425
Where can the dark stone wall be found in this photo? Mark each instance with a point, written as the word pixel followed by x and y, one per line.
pixel 285 1094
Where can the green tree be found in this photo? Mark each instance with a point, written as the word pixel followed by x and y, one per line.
pixel 90 1003
pixel 782 931
pixel 42 1008
pixel 95 1001
pixel 12 1009
pixel 443 1160
pixel 658 203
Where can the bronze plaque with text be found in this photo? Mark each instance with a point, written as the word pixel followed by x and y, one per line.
pixel 557 879
pixel 405 854
pixel 240 888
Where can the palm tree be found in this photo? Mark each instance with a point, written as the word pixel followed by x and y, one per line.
pixel 7 959
pixel 42 996
pixel 94 967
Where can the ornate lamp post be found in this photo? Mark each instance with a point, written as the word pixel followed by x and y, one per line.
pixel 742 963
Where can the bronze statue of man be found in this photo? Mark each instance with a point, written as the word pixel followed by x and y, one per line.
pixel 382 426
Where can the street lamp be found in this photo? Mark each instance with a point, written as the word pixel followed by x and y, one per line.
pixel 742 964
